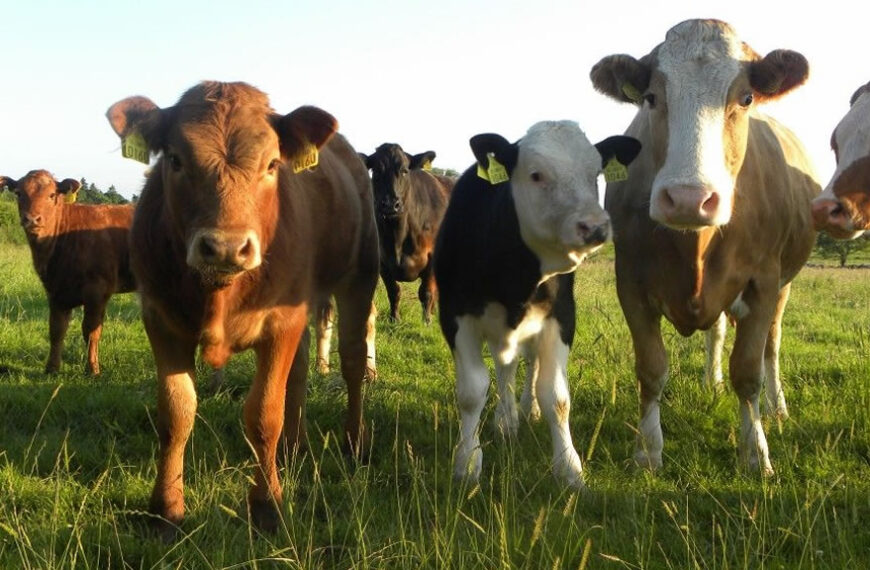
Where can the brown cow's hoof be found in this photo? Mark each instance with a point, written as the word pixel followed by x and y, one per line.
pixel 264 515
pixel 52 368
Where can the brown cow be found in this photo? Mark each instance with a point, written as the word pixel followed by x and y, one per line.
pixel 843 208
pixel 248 219
pixel 714 215
pixel 80 253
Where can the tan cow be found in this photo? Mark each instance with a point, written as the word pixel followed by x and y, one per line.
pixel 843 208
pixel 248 219
pixel 80 252
pixel 714 215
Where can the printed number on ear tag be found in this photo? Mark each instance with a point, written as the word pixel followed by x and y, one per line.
pixel 133 146
pixel 306 160
pixel 496 173
pixel 615 171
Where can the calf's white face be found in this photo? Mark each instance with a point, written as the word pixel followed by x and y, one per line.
pixel 555 189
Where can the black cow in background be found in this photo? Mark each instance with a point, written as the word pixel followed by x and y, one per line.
pixel 409 204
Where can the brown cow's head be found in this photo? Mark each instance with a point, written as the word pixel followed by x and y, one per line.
pixel 391 167
pixel 696 91
pixel 40 200
pixel 223 152
pixel 843 208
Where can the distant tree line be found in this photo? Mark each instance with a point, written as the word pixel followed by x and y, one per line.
pixel 829 248
pixel 90 194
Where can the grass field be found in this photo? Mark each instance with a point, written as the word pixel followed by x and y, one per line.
pixel 77 455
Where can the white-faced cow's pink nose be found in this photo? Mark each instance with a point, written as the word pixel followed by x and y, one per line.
pixel 686 206
pixel 224 251
pixel 826 212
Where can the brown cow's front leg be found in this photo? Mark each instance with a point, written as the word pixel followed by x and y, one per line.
pixel 264 415
pixel 176 411
pixel 58 322
pixel 394 293
pixel 651 369
pixel 295 435
pixel 427 293
pixel 92 330
pixel 746 372
pixel 774 396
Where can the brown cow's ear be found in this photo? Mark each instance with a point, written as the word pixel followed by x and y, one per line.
pixel 421 160
pixel 621 77
pixel 9 183
pixel 138 114
pixel 302 128
pixel 777 73
pixel 68 185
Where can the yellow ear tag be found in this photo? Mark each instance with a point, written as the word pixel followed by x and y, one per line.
pixel 427 165
pixel 631 92
pixel 307 159
pixel 496 173
pixel 615 171
pixel 70 198
pixel 134 146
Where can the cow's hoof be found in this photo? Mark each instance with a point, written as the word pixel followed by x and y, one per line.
pixel 648 461
pixel 264 515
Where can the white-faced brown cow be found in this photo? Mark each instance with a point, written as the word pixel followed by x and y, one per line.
pixel 248 219
pixel 80 252
pixel 843 208
pixel 714 216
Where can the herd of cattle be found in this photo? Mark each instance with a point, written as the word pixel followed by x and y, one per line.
pixel 252 222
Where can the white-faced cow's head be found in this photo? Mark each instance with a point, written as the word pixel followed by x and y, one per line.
pixel 697 90
pixel 843 208
pixel 40 200
pixel 223 151
pixel 553 174
pixel 391 169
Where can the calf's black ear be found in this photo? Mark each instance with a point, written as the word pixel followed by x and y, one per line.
pixel 624 149
pixel 489 144
pixel 364 158
pixel 421 160
pixel 9 183
pixel 68 185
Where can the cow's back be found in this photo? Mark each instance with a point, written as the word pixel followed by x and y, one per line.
pixel 91 251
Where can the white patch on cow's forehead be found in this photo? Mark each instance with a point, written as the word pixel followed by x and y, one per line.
pixel 853 133
pixel 559 142
pixel 712 52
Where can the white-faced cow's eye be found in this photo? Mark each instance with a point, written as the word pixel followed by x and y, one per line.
pixel 650 99
pixel 746 100
pixel 273 166
pixel 174 161
pixel 536 176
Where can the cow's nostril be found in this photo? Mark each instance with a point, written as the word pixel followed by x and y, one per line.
pixel 246 250
pixel 206 248
pixel 710 204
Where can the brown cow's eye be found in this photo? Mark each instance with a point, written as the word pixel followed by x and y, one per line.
pixel 174 162
pixel 747 100
pixel 273 166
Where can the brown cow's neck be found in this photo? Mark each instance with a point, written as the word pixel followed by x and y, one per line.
pixel 695 249
pixel 215 350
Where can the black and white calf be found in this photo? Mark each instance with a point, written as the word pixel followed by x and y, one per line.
pixel 504 262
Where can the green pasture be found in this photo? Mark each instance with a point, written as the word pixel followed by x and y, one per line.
pixel 77 454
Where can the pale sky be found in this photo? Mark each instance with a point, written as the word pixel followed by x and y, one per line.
pixel 427 75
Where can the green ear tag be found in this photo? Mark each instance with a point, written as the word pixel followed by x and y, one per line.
pixel 307 159
pixel 134 146
pixel 70 198
pixel 615 171
pixel 481 173
pixel 427 165
pixel 497 172
pixel 631 92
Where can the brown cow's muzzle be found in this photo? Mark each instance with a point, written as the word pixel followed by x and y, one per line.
pixel 832 216
pixel 220 255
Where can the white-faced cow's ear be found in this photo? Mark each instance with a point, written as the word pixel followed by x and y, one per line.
pixel 622 77
pixel 487 144
pixel 622 148
pixel 304 127
pixel 138 115
pixel 68 185
pixel 421 160
pixel 9 184
pixel 861 90
pixel 777 73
